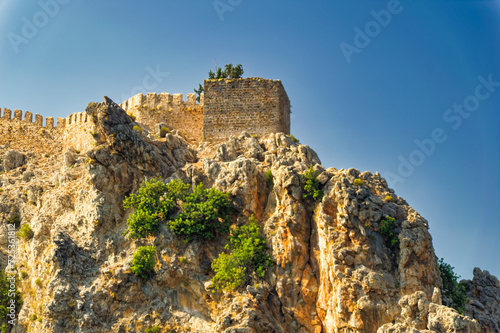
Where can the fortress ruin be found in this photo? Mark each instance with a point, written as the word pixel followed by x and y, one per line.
pixel 227 107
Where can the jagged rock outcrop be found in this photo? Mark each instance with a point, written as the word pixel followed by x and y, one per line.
pixel 484 300
pixel 334 270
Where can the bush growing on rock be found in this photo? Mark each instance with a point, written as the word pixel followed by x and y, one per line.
pixel 247 253
pixel 312 185
pixel 25 232
pixel 154 200
pixel 454 292
pixel 269 179
pixel 144 261
pixel 203 213
pixel 294 139
pixel 153 329
pixel 387 226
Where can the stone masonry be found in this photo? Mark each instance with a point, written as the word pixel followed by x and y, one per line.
pixel 228 107
pixel 254 105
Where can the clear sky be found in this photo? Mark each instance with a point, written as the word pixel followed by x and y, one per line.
pixel 410 89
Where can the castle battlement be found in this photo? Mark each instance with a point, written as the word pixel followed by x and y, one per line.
pixel 72 119
pixel 227 107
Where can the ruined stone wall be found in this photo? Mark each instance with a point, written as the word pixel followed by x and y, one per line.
pixel 254 105
pixel 184 116
pixel 228 107
pixel 74 131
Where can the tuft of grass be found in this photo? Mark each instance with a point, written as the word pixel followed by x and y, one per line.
pixel 24 274
pixel 138 128
pixel 389 198
pixel 269 179
pixel 38 282
pixel 33 317
pixel 294 139
pixel 357 182
pixel 153 329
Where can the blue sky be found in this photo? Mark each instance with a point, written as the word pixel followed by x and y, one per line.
pixel 362 90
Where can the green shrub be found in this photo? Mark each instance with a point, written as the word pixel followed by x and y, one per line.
pixel 164 130
pixel 247 253
pixel 141 224
pixel 153 329
pixel 454 292
pixel 229 273
pixel 269 179
pixel 153 200
pixel 357 182
pixel 33 317
pixel 312 185
pixel 387 226
pixel 294 139
pixel 38 282
pixel 389 198
pixel 138 128
pixel 25 232
pixel 203 213
pixel 144 261
pixel 24 274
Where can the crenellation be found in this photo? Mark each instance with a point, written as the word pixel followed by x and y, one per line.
pixel 7 114
pixel 227 107
pixel 191 99
pixel 49 122
pixel 38 120
pixel 177 99
pixel 28 117
pixel 18 115
pixel 61 122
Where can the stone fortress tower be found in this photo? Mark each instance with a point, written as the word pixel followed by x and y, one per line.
pixel 227 107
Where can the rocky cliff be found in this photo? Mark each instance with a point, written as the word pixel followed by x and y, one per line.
pixel 334 271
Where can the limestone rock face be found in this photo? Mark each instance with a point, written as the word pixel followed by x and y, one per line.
pixel 334 270
pixel 13 159
pixel 484 300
